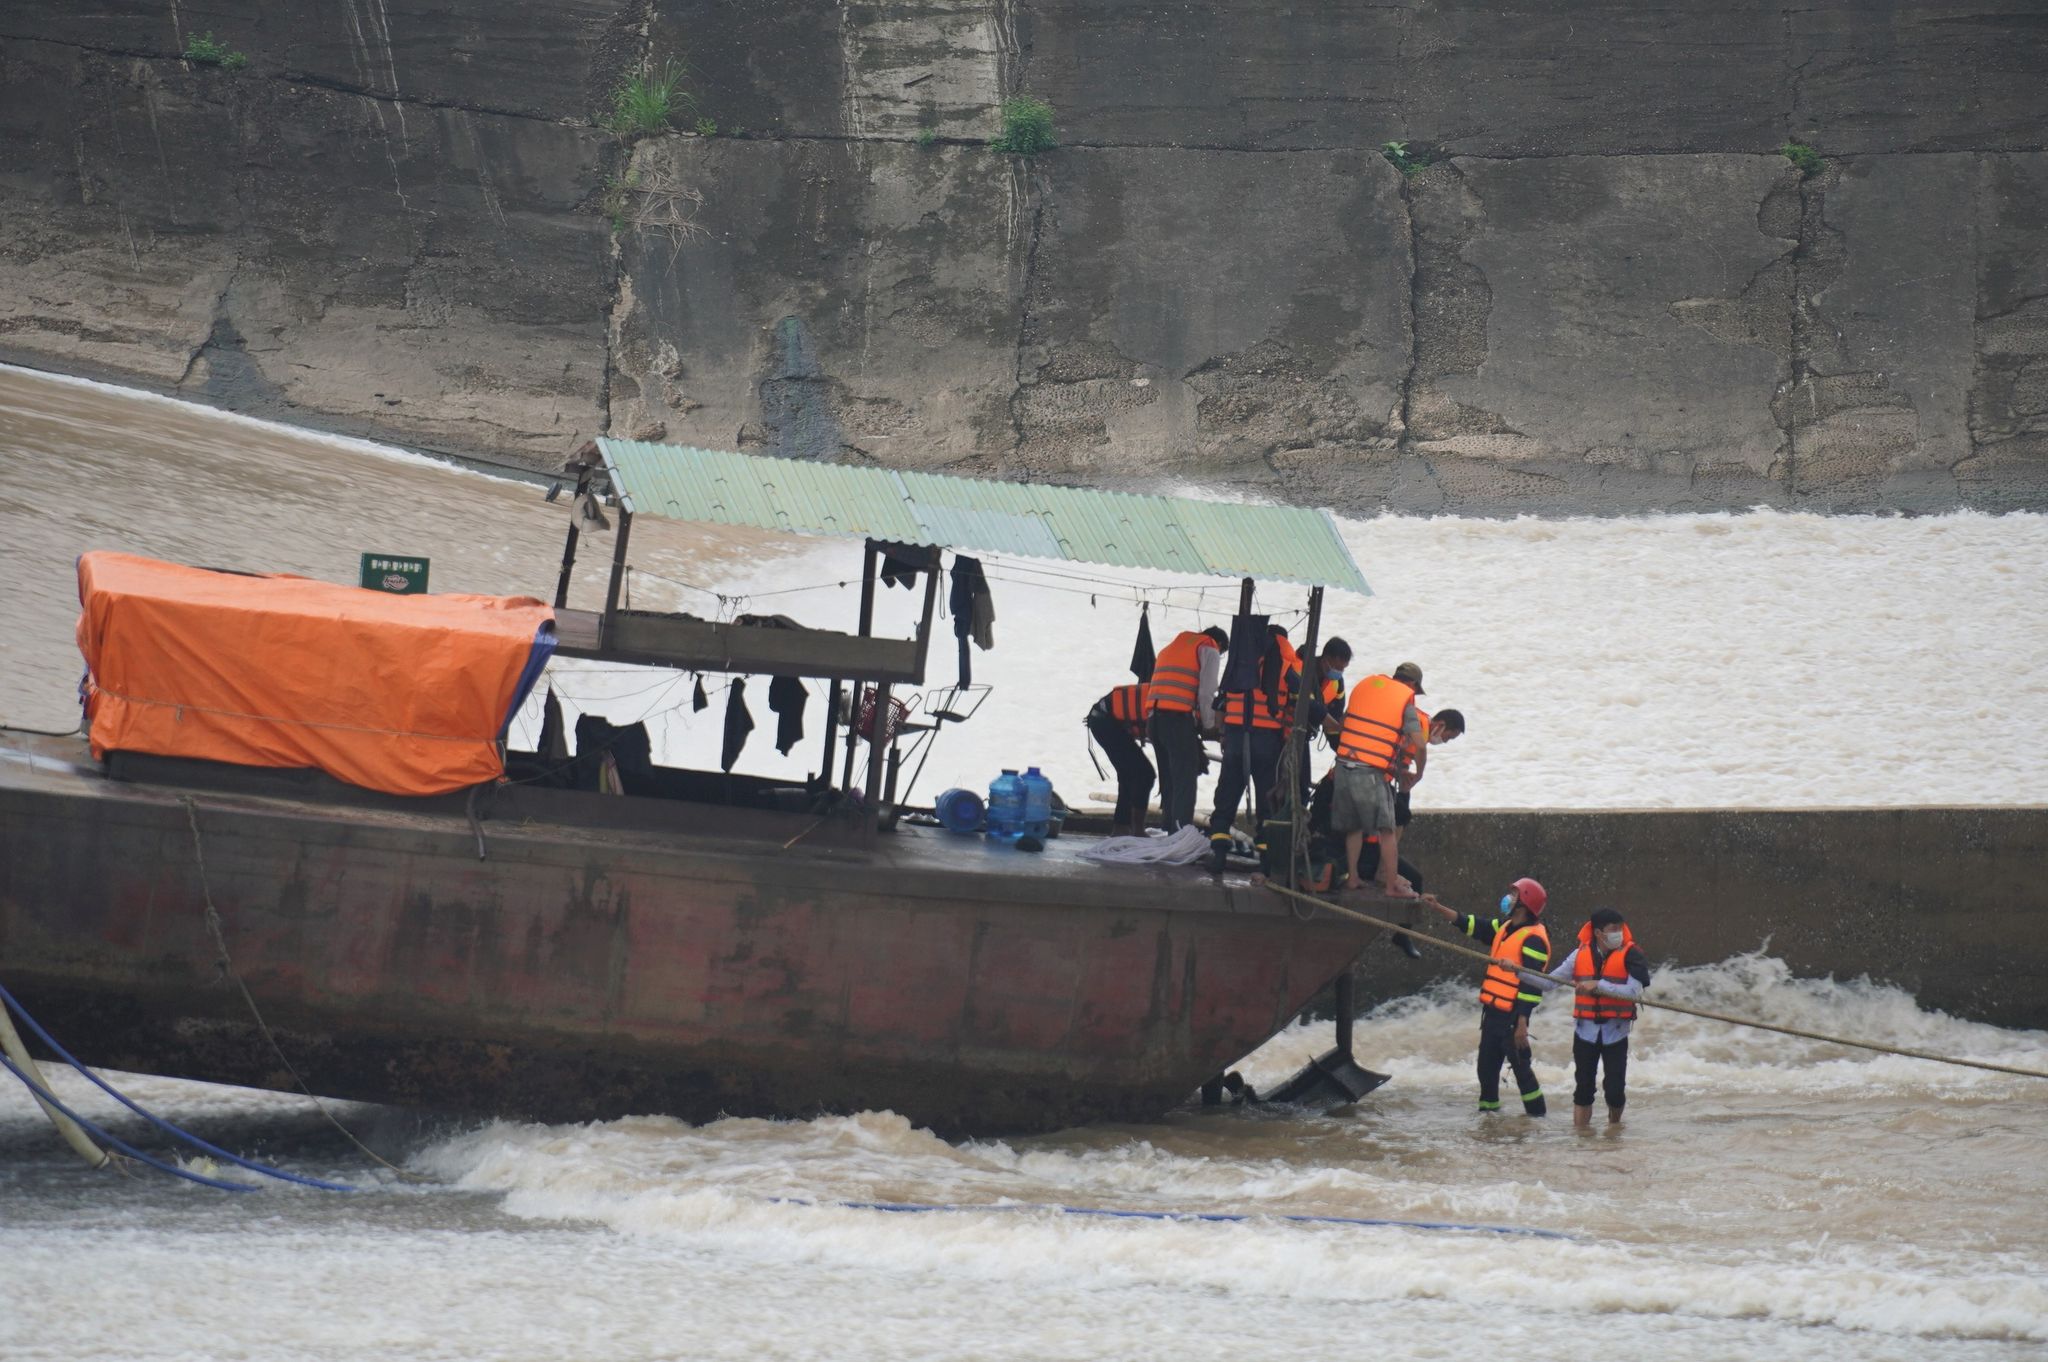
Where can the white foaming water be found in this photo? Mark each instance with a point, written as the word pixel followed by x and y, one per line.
pixel 1768 1197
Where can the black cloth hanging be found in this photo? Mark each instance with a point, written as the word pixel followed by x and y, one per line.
pixel 1248 640
pixel 973 610
pixel 554 741
pixel 738 724
pixel 1142 656
pixel 699 702
pixel 787 697
pixel 901 564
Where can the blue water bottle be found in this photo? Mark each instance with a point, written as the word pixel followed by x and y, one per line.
pixel 1005 806
pixel 959 810
pixel 1037 804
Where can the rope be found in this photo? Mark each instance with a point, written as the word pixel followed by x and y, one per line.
pixel 227 967
pixel 1184 1217
pixel 1674 1007
pixel 44 1095
pixel 10 1001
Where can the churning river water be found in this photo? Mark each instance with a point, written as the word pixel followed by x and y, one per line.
pixel 1767 1198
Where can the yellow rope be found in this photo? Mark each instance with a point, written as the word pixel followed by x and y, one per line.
pixel 1674 1007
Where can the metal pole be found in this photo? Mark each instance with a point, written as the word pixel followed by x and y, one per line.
pixel 1296 760
pixel 569 546
pixel 867 626
pixel 878 736
pixel 611 592
pixel 1347 1009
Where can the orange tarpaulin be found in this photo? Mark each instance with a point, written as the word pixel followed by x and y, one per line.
pixel 404 694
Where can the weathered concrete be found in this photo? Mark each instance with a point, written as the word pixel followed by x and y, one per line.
pixel 1944 903
pixel 1612 296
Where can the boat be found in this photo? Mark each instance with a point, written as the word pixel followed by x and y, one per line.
pixel 238 890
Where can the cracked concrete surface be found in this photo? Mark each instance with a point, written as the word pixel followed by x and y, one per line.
pixel 1606 295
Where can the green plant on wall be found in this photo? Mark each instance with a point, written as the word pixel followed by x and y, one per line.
pixel 1406 159
pixel 202 50
pixel 649 102
pixel 707 127
pixel 1803 157
pixel 927 136
pixel 1027 127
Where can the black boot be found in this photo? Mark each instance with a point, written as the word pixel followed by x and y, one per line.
pixel 1219 851
pixel 1407 947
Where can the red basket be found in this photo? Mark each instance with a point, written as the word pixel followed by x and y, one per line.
pixel 864 717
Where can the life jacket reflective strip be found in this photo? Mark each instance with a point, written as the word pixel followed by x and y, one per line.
pixel 1177 673
pixel 1614 970
pixel 1269 709
pixel 1372 722
pixel 1127 707
pixel 1502 985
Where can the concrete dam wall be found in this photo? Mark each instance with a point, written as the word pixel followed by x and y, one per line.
pixel 1945 903
pixel 1597 287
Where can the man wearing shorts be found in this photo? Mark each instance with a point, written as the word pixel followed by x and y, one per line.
pixel 1379 724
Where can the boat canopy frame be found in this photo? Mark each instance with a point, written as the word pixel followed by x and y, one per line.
pixel 914 517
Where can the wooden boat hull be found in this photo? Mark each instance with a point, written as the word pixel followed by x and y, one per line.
pixel 609 956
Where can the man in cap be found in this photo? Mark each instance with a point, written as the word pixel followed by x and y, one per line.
pixel 1521 947
pixel 1608 972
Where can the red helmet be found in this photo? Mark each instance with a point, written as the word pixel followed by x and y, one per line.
pixel 1531 896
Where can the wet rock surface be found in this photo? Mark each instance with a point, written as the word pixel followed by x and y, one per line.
pixel 1598 289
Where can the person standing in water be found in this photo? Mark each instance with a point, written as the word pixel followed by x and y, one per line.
pixel 1521 947
pixel 1608 972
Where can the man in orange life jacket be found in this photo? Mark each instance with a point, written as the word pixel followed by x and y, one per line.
pixel 1117 723
pixel 1255 728
pixel 1609 973
pixel 1179 710
pixel 1379 722
pixel 1506 998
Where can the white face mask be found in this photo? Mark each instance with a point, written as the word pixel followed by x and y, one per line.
pixel 1611 940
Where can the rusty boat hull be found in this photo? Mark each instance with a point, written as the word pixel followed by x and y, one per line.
pixel 607 956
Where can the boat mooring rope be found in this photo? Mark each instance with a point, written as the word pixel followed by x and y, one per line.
pixel 1186 1217
pixel 1415 935
pixel 227 966
pixel 8 1002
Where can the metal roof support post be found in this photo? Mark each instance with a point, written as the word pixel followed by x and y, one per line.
pixel 1244 597
pixel 1294 767
pixel 867 629
pixel 611 592
pixel 924 623
pixel 569 545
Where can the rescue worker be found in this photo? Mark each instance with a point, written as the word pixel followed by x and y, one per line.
pixel 1379 722
pixel 1179 710
pixel 1255 727
pixel 1520 944
pixel 1446 726
pixel 1117 723
pixel 1609 973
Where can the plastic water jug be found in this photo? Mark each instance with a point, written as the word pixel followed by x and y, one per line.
pixel 1006 806
pixel 1037 804
pixel 959 810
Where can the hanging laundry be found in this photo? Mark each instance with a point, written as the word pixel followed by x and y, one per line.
pixel 901 563
pixel 738 724
pixel 1142 656
pixel 554 741
pixel 973 610
pixel 787 697
pixel 699 701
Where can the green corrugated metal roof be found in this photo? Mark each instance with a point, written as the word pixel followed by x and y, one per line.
pixel 1212 538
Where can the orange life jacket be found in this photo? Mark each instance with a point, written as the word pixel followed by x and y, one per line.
pixel 1408 753
pixel 1502 986
pixel 1177 673
pixel 1127 707
pixel 1614 970
pixel 1372 722
pixel 1271 709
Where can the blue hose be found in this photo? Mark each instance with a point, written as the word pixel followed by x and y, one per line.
pixel 1210 1217
pixel 266 1170
pixel 104 1138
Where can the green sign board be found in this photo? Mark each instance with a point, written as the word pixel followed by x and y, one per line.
pixel 388 572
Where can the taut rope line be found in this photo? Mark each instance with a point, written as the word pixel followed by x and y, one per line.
pixel 1456 949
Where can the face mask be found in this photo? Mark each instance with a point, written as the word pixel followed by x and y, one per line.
pixel 1611 940
pixel 1507 904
